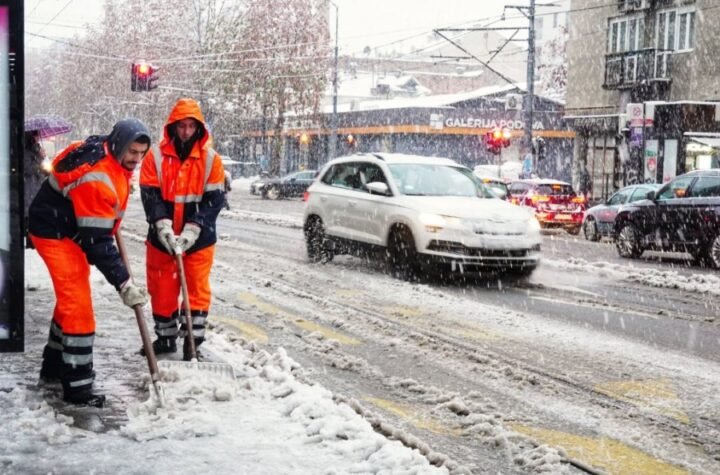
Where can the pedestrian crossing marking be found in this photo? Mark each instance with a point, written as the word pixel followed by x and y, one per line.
pixel 249 331
pixel 412 416
pixel 611 456
pixel 326 332
pixel 658 395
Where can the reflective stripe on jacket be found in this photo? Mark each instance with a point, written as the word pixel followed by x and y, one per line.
pixel 84 199
pixel 183 191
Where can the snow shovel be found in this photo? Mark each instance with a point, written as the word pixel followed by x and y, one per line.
pixel 222 369
pixel 140 317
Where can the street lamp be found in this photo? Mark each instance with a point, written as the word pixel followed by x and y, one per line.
pixel 332 140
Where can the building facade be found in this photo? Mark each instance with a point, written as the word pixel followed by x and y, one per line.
pixel 642 89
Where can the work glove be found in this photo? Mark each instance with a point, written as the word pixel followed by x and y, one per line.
pixel 133 295
pixel 188 236
pixel 166 235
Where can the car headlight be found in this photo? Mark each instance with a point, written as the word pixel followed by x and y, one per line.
pixel 433 222
pixel 533 226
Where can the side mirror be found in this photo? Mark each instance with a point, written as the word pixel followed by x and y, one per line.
pixel 650 195
pixel 378 188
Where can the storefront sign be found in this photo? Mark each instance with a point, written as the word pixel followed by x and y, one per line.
pixel 485 123
pixel 635 114
pixel 651 157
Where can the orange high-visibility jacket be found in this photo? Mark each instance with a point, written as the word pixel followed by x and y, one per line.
pixel 84 199
pixel 190 190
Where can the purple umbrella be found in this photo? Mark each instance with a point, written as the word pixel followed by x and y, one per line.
pixel 48 125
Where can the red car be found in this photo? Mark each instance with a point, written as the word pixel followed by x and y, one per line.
pixel 556 203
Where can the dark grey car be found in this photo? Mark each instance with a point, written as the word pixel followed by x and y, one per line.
pixel 599 220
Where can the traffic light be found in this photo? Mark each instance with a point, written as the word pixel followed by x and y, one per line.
pixel 497 139
pixel 351 141
pixel 142 76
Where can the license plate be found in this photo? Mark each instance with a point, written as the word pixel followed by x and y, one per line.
pixel 563 216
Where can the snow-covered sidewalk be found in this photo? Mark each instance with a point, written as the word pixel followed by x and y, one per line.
pixel 266 421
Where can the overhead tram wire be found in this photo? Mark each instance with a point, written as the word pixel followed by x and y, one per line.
pixel 54 17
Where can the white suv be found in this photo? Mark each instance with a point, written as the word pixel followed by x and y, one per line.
pixel 424 213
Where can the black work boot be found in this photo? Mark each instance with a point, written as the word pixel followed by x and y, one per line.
pixel 84 398
pixel 186 349
pixel 51 367
pixel 161 346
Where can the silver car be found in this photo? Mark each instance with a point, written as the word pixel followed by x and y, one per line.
pixel 599 220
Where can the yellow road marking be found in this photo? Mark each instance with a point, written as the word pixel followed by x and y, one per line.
pixel 610 455
pixel 268 308
pixel 410 415
pixel 325 331
pixel 656 394
pixel 251 299
pixel 248 330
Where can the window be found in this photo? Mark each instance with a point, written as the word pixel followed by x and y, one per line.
pixel 626 34
pixel 676 30
pixel 619 198
pixel 640 193
pixel 706 186
pixel 675 189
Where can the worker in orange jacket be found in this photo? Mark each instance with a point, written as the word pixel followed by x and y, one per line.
pixel 182 190
pixel 72 221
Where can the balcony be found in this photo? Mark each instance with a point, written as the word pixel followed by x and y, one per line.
pixel 641 68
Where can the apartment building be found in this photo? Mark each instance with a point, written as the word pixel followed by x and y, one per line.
pixel 643 89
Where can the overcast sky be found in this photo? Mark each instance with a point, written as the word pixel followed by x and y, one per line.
pixel 362 22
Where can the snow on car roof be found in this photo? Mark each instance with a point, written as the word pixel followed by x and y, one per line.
pixel 399 158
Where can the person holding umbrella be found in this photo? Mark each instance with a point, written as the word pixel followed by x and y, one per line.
pixel 36 129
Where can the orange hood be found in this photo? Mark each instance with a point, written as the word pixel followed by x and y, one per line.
pixel 186 108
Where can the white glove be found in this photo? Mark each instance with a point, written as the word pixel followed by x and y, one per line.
pixel 166 235
pixel 188 236
pixel 133 295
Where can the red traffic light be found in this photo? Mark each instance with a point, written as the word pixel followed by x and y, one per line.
pixel 142 76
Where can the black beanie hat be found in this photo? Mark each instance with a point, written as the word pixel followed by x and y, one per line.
pixel 124 133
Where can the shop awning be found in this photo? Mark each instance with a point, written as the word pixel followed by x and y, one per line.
pixel 713 142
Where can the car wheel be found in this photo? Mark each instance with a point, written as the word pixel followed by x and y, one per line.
pixel 712 254
pixel 316 241
pixel 628 242
pixel 402 254
pixel 273 193
pixel 590 230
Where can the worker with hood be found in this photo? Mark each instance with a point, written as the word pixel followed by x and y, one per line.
pixel 72 222
pixel 182 191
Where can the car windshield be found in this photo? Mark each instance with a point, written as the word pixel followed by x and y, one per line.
pixel 554 189
pixel 419 179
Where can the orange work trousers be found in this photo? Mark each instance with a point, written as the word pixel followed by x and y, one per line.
pixel 164 281
pixel 70 274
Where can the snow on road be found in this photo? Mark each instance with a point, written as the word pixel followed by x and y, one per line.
pixel 266 421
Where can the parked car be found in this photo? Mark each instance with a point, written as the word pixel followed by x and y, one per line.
pixel 424 213
pixel 494 184
pixel 683 215
pixel 599 220
pixel 555 202
pixel 257 185
pixel 288 186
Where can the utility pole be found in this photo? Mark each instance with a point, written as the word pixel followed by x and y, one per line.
pixel 530 84
pixel 332 139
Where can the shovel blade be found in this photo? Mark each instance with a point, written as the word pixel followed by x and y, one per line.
pixel 223 370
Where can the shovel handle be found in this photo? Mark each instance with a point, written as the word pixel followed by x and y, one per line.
pixel 186 304
pixel 139 316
